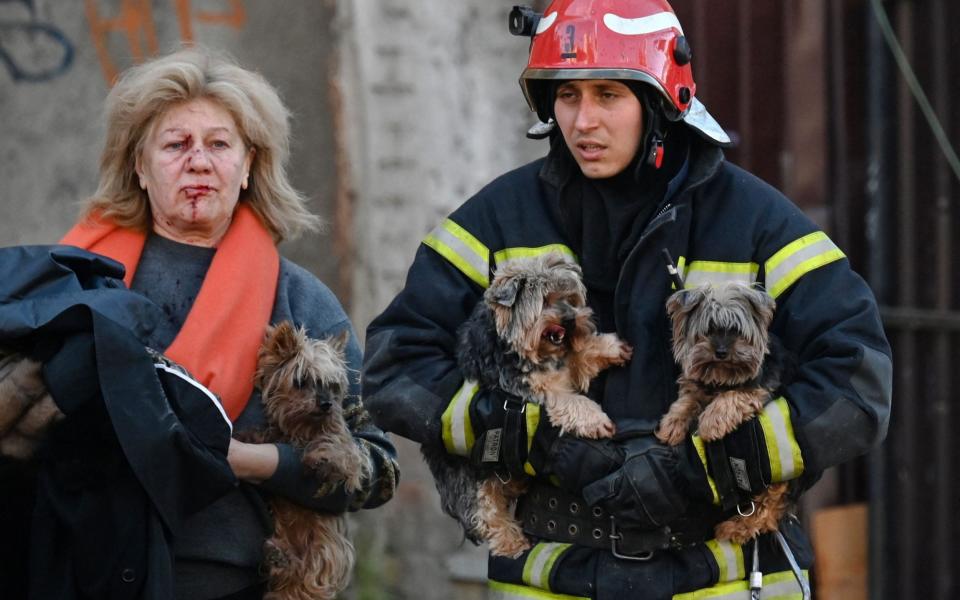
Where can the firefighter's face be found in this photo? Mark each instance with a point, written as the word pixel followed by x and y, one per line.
pixel 601 121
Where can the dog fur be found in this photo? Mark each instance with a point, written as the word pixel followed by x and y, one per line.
pixel 533 337
pixel 730 366
pixel 303 382
pixel 26 409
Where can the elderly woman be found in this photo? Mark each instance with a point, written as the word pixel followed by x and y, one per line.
pixel 193 199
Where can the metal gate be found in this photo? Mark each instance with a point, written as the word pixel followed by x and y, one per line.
pixel 824 112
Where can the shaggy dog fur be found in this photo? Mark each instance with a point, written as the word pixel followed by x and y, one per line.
pixel 532 337
pixel 26 409
pixel 730 367
pixel 303 382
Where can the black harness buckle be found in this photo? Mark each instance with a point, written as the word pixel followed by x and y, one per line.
pixel 615 537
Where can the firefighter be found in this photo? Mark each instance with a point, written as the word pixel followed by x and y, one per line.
pixel 635 166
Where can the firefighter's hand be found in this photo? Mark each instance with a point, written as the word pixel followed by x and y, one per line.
pixel 571 462
pixel 654 485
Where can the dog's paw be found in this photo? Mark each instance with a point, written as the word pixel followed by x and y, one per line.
pixel 716 421
pixel 672 431
pixel 509 541
pixel 598 428
pixel 626 352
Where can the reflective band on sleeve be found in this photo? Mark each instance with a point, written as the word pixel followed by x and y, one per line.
pixel 457 429
pixel 539 563
pixel 786 462
pixel 507 255
pixel 798 258
pixel 533 421
pixel 509 591
pixel 729 558
pixel 781 585
pixel 702 453
pixel 711 272
pixel 464 251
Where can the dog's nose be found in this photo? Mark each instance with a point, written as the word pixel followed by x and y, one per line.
pixel 325 405
pixel 720 352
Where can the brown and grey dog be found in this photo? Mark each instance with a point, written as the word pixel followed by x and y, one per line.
pixel 304 382
pixel 730 366
pixel 26 409
pixel 533 337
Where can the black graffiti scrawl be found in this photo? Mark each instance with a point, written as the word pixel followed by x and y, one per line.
pixel 30 49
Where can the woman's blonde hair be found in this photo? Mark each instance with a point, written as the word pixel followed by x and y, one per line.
pixel 146 91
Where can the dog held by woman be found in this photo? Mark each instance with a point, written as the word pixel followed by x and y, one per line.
pixel 304 382
pixel 532 337
pixel 730 366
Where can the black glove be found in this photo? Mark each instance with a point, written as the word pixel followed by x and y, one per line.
pixel 738 464
pixel 499 426
pixel 502 440
pixel 654 485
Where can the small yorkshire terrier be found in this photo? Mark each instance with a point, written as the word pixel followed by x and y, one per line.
pixel 730 367
pixel 533 337
pixel 26 409
pixel 303 382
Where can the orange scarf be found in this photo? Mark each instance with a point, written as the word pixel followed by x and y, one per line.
pixel 219 340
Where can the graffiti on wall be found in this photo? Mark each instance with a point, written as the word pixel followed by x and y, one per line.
pixel 30 49
pixel 134 22
pixel 33 50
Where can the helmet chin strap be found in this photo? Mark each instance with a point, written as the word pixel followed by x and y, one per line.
pixel 654 130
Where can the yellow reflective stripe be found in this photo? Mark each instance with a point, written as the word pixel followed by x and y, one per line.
pixel 702 453
pixel 729 559
pixel 781 585
pixel 798 258
pixel 509 591
pixel 783 452
pixel 509 254
pixel 711 272
pixel 457 429
pixel 464 251
pixel 533 421
pixel 539 563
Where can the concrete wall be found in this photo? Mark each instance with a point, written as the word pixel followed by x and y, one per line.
pixel 434 113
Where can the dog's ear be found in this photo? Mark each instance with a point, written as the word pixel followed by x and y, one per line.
pixel 762 304
pixel 282 340
pixel 339 342
pixel 506 292
pixel 684 301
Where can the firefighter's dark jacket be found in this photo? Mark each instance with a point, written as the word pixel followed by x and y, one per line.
pixel 106 505
pixel 720 223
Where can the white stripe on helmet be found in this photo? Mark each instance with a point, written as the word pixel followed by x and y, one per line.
pixel 642 25
pixel 546 22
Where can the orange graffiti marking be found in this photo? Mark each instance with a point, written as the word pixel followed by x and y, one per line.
pixel 135 22
pixel 235 17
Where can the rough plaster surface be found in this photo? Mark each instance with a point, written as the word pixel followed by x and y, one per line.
pixel 435 112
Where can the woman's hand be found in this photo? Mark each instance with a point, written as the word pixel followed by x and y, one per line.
pixel 253 462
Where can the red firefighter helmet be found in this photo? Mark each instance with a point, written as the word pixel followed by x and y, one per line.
pixel 633 40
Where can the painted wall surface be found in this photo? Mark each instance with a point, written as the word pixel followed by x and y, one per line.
pixel 57 60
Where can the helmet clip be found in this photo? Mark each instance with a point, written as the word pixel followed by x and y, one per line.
pixel 655 157
pixel 523 21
